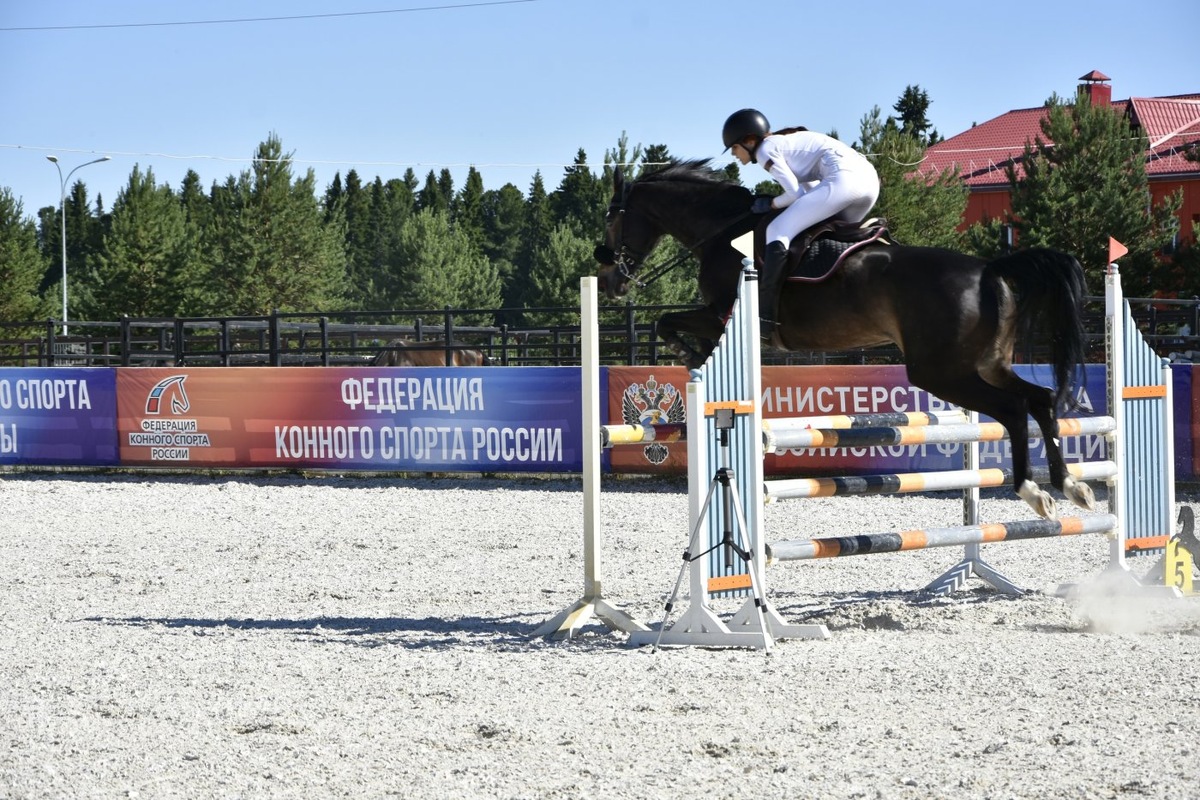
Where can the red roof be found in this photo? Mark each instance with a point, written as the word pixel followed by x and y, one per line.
pixel 982 152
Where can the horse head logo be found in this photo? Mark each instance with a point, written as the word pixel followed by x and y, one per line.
pixel 168 389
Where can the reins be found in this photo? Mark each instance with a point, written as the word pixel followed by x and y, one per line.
pixel 623 264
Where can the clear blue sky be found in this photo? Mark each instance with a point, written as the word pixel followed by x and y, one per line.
pixel 513 87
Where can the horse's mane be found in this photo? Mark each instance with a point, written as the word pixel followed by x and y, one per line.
pixel 695 170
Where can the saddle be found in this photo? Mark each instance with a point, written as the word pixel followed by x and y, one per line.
pixel 816 253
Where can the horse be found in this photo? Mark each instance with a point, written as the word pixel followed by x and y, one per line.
pixel 403 353
pixel 954 317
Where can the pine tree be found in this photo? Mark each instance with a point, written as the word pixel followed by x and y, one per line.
pixel 1084 180
pixel 621 156
pixel 271 245
pixel 503 213
pixel 535 237
pixel 431 197
pixel 580 199
pixel 84 230
pixel 655 157
pixel 21 264
pixel 140 261
pixel 913 108
pixel 920 210
pixel 467 208
pixel 355 203
pixel 558 266
pixel 441 267
pixel 189 290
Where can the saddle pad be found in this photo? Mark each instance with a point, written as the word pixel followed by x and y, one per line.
pixel 822 258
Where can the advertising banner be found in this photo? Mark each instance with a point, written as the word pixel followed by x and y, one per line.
pixel 644 395
pixel 471 419
pixel 58 416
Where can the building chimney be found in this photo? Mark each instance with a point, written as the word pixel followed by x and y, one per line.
pixel 1095 86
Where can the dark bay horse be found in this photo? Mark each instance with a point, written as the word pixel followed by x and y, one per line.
pixel 955 318
pixel 403 353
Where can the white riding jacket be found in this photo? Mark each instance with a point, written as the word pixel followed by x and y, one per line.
pixel 821 177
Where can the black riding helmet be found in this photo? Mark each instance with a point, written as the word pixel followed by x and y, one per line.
pixel 747 122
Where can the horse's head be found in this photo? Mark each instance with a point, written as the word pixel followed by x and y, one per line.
pixel 629 237
pixel 688 200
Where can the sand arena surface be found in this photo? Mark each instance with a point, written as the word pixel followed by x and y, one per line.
pixel 181 637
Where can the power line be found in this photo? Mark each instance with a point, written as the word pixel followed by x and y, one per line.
pixel 266 19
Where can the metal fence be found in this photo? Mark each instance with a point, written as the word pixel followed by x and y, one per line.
pixel 628 336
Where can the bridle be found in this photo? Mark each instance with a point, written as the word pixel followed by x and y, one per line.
pixel 626 261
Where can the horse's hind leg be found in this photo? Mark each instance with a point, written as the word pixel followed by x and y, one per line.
pixel 1009 408
pixel 1041 408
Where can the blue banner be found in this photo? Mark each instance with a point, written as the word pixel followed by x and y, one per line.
pixel 59 416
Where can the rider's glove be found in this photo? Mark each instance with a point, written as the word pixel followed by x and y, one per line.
pixel 761 205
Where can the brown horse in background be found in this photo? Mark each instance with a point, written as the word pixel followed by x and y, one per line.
pixel 403 353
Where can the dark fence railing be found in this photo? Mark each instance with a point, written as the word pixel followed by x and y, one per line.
pixel 628 336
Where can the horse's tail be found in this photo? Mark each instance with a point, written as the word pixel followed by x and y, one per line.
pixel 1050 290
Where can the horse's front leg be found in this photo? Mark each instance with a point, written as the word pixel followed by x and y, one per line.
pixel 703 324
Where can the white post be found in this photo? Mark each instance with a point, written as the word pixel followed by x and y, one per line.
pixel 592 604
pixel 1114 335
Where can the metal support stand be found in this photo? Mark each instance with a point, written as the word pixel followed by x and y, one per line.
pixel 972 564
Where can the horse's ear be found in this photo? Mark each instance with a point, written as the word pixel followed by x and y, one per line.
pixel 618 179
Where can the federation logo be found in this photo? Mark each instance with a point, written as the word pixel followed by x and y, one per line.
pixel 650 403
pixel 168 389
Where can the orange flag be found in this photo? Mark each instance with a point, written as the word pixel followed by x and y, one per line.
pixel 1115 250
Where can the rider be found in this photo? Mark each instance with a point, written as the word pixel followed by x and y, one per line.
pixel 821 177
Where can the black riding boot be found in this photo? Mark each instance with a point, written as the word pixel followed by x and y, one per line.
pixel 770 281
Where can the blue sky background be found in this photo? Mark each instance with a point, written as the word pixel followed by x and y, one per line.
pixel 514 87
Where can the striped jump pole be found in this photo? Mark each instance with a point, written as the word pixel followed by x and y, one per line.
pixel 825 438
pixel 922 539
pixel 613 435
pixel 883 419
pixel 905 482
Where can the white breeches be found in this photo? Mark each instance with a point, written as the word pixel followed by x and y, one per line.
pixel 848 196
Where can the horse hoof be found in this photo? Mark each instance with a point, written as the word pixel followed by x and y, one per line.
pixel 1041 502
pixel 1079 493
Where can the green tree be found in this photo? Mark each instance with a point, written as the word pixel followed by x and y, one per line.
pixel 354 202
pixel 581 198
pixel 440 267
pixel 654 158
pixel 1083 180
pixel 271 244
pixel 189 288
pixel 913 108
pixel 143 253
pixel 467 207
pixel 535 238
pixel 557 268
pixel 21 264
pixel 922 210
pixel 84 231
pixel 621 156
pixel 432 197
pixel 392 204
pixel 503 217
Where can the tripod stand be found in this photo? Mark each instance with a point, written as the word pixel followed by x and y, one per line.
pixel 756 624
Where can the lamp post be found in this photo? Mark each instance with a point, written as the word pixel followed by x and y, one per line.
pixel 62 215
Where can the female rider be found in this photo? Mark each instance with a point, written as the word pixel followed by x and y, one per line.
pixel 821 177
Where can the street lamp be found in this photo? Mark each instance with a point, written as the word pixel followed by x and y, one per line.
pixel 62 215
